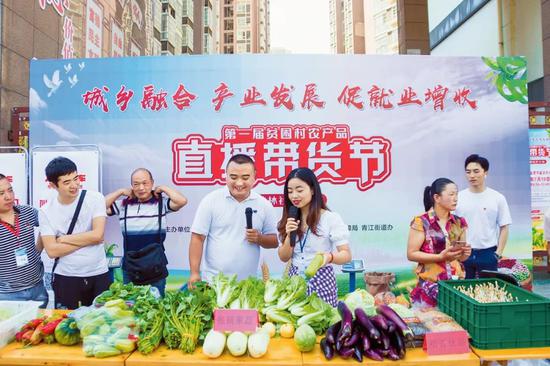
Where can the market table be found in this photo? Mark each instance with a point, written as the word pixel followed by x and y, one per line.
pixel 280 352
pixel 54 355
pixel 489 355
pixel 414 357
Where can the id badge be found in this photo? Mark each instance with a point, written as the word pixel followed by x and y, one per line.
pixel 21 258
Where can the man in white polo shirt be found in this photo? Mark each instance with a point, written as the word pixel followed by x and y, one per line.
pixel 488 216
pixel 220 226
pixel 81 272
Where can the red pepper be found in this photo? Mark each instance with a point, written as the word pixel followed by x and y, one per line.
pixel 34 323
pixel 49 327
pixel 19 335
pixel 37 335
pixel 26 338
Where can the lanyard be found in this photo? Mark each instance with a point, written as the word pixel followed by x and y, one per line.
pixel 303 241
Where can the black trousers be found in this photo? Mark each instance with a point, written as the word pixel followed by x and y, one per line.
pixel 73 292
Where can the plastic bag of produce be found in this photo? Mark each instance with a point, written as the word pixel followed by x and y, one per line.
pixel 109 330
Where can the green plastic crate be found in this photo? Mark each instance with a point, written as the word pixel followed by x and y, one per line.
pixel 525 323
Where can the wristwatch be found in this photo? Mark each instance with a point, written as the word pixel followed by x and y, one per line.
pixel 499 257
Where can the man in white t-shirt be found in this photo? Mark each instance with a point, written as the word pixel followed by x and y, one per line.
pixel 220 226
pixel 488 216
pixel 81 272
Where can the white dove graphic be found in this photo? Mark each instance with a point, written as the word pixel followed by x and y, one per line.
pixel 81 65
pixel 52 84
pixel 73 80
pixel 68 68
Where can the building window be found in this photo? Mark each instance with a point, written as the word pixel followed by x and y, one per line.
pixel 228 24
pixel 228 38
pixel 228 12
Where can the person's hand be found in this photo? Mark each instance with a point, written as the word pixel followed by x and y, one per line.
pixel 327 258
pixel 291 225
pixel 128 192
pixel 451 254
pixel 195 277
pixel 253 236
pixel 158 190
pixel 466 252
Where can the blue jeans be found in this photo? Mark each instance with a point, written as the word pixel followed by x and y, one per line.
pixel 481 259
pixel 160 284
pixel 36 293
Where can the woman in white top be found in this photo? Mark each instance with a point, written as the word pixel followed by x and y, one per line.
pixel 317 229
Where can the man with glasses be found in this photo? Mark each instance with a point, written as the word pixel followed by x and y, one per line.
pixel 142 216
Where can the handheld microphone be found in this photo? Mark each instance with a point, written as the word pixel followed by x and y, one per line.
pixel 248 212
pixel 293 213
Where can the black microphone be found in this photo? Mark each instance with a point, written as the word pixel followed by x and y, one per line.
pixel 293 213
pixel 248 212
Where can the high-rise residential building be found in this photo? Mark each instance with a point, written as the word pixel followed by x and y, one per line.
pixel 176 33
pixel 244 26
pixel 381 27
pixel 66 29
pixel 206 23
pixel 336 26
pixel 347 26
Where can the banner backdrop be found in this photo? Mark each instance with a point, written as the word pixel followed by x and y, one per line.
pixel 376 130
pixel 540 190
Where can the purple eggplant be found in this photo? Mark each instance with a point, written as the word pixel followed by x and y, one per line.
pixel 398 343
pixel 379 322
pixel 332 333
pixel 339 345
pixel 391 326
pixel 384 340
pixel 362 318
pixel 355 336
pixel 357 354
pixel 392 355
pixel 390 314
pixel 327 349
pixel 347 321
pixel 383 352
pixel 365 342
pixel 346 352
pixel 373 355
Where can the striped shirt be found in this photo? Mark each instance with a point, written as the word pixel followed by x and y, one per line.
pixel 142 223
pixel 12 277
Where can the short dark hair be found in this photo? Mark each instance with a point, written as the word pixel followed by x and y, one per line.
pixel 141 170
pixel 2 176
pixel 241 159
pixel 475 158
pixel 58 167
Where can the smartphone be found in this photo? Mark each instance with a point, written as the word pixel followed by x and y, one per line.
pixel 458 243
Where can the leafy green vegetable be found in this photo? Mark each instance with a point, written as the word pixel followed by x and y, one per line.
pixel 126 292
pixel 360 298
pixel 225 288
pixel 273 288
pixel 295 290
pixel 188 316
pixel 318 315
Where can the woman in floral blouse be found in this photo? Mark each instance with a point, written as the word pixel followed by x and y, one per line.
pixel 437 241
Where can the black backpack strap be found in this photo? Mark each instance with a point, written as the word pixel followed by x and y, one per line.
pixel 72 225
pixel 160 220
